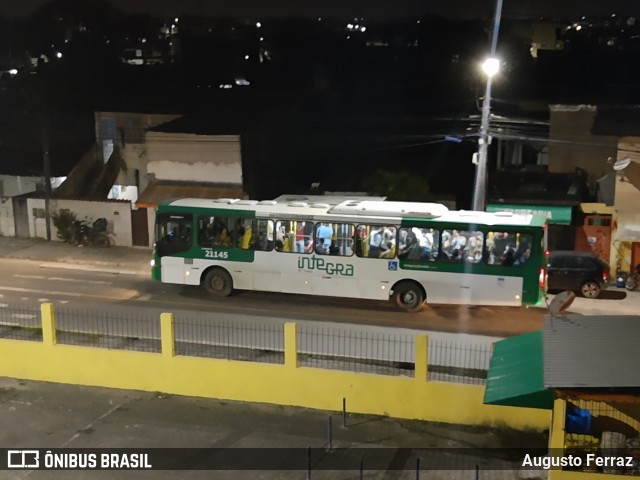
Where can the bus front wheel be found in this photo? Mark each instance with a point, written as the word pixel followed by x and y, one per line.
pixel 408 296
pixel 218 282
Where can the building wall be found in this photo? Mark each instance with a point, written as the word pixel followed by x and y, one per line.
pixel 128 130
pixel 573 145
pixel 627 225
pixel 13 185
pixel 7 223
pixel 196 158
pixel 627 199
pixel 117 213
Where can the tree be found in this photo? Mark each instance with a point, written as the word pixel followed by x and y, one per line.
pixel 399 186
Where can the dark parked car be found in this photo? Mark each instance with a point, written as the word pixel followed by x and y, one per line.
pixel 580 272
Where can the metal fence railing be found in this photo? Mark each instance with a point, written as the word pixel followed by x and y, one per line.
pixel 341 348
pixel 113 329
pixel 201 334
pixel 209 337
pixel 20 321
pixel 459 362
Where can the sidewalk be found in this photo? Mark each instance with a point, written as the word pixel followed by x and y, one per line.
pixel 133 260
pixel 47 416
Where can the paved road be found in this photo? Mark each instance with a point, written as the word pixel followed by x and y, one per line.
pixel 81 284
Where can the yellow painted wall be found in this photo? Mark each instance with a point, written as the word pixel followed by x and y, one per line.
pixel 288 384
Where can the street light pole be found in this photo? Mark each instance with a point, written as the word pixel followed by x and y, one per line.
pixel 490 67
pixel 480 187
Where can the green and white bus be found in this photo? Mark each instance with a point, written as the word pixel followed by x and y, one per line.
pixel 408 252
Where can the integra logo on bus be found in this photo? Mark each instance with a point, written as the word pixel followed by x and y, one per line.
pixel 317 263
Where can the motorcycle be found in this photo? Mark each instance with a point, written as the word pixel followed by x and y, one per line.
pixel 633 280
pixel 94 235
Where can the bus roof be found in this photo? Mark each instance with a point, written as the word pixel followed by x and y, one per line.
pixel 368 210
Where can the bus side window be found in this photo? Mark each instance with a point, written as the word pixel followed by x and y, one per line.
pixel 283 236
pixel 324 235
pixel 418 244
pixel 334 239
pixel 472 252
pixel 375 241
pixel 173 233
pixel 262 235
pixel 508 248
pixel 205 230
pixel 245 237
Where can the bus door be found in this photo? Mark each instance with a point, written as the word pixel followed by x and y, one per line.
pixel 334 269
pixel 173 237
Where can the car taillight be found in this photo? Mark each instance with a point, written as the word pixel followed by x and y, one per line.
pixel 605 276
pixel 542 278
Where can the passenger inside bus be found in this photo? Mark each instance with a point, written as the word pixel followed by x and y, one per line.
pixel 324 233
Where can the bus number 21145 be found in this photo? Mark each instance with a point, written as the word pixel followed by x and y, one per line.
pixel 211 253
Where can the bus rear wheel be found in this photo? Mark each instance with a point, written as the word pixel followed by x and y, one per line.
pixel 218 282
pixel 408 296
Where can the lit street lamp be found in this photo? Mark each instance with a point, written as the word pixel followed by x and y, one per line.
pixel 490 67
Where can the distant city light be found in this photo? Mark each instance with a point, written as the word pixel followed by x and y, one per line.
pixel 363 29
pixel 13 71
pixel 144 40
pixel 319 19
pixel 258 24
pixel 246 57
pixel 578 27
pixel 176 20
pixel 58 54
pixel 262 39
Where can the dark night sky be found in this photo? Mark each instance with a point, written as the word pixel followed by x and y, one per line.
pixel 373 9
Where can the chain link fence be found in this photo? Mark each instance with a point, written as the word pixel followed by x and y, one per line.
pixel 20 322
pixel 201 334
pixel 132 330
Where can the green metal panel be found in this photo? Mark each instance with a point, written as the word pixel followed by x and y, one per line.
pixel 555 215
pixel 516 373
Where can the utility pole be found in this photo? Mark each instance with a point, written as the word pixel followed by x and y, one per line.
pixel 45 141
pixel 490 67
